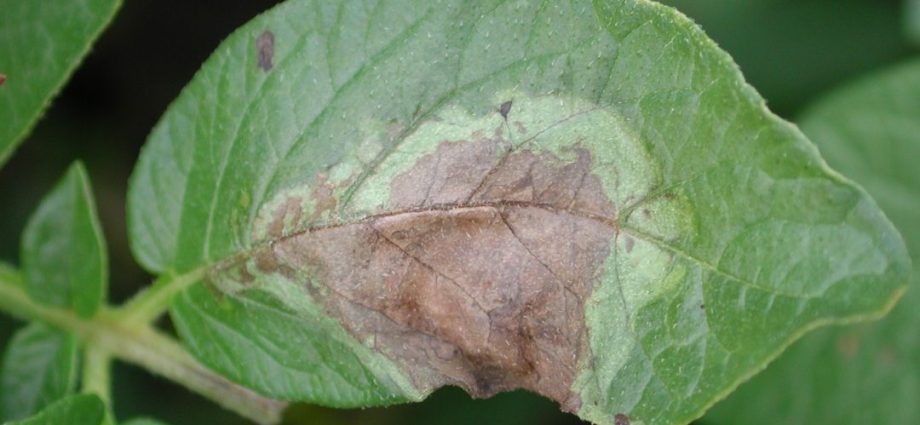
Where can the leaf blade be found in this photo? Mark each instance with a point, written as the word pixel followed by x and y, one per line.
pixel 143 421
pixel 866 372
pixel 64 257
pixel 77 409
pixel 39 367
pixel 33 78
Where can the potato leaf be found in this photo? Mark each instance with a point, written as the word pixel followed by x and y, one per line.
pixel 78 409
pixel 39 367
pixel 143 421
pixel 41 43
pixel 866 373
pixel 64 257
pixel 582 199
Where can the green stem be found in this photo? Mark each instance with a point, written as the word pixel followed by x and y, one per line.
pixel 109 334
pixel 152 302
pixel 97 376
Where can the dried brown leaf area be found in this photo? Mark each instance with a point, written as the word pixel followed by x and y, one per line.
pixel 478 275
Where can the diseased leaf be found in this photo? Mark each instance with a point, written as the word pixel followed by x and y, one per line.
pixel 41 43
pixel 583 199
pixel 866 373
pixel 78 409
pixel 64 260
pixel 39 367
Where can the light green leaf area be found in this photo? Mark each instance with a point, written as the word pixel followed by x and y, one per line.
pixel 39 367
pixel 866 373
pixel 78 409
pixel 64 259
pixel 41 44
pixel 143 421
pixel 583 199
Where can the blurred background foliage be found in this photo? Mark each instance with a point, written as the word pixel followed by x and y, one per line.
pixel 791 50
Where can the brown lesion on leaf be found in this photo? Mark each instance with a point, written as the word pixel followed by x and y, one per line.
pixel 290 211
pixel 621 419
pixel 2 79
pixel 478 274
pixel 324 199
pixel 265 45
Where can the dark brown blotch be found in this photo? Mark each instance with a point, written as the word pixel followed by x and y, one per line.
pixel 2 79
pixel 621 419
pixel 505 109
pixel 265 45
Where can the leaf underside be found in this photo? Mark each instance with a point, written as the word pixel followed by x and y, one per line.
pixel 581 199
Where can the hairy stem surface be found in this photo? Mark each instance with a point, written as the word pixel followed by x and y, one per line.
pixel 109 335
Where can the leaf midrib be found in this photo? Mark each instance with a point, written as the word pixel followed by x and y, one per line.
pixel 611 222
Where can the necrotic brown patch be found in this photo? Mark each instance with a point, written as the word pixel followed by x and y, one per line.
pixel 265 45
pixel 478 275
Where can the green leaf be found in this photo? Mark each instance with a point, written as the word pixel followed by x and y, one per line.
pixel 41 44
pixel 143 421
pixel 78 409
pixel 39 367
pixel 64 259
pixel 583 199
pixel 912 20
pixel 867 373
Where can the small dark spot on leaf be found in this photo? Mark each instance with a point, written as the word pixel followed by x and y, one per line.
pixel 629 244
pixel 2 79
pixel 505 109
pixel 266 47
pixel 646 212
pixel 703 306
pixel 621 419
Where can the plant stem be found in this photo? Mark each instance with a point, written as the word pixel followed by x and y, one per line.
pixel 108 334
pixel 97 377
pixel 164 356
pixel 152 302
